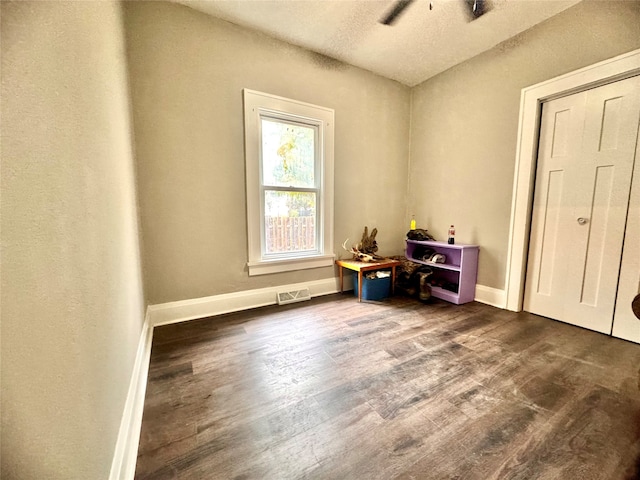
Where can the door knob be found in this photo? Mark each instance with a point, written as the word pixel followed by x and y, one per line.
pixel 582 220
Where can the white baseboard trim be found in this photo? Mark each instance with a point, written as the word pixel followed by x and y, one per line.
pixel 173 312
pixel 183 310
pixel 123 466
pixel 491 296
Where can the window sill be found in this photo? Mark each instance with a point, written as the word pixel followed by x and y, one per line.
pixel 289 265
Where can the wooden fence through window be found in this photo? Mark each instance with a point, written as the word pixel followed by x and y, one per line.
pixel 290 234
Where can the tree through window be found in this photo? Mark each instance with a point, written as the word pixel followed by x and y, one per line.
pixel 290 190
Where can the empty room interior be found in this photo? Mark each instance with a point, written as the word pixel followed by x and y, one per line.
pixel 322 239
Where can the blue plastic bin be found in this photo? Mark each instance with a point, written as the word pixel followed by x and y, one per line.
pixel 372 288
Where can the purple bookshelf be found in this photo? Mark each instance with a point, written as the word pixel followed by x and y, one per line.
pixel 461 269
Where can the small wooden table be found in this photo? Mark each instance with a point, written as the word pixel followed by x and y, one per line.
pixel 366 267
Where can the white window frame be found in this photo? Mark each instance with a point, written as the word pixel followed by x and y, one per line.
pixel 257 105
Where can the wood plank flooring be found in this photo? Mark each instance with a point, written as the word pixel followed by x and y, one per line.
pixel 336 389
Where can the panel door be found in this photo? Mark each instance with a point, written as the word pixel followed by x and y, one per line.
pixel 585 162
pixel 625 323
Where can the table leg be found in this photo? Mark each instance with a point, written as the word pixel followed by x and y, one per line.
pixel 341 279
pixel 393 279
pixel 359 285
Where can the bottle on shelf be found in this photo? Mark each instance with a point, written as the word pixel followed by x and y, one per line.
pixel 413 222
pixel 452 235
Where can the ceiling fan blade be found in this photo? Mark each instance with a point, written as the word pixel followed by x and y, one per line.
pixel 398 8
pixel 476 8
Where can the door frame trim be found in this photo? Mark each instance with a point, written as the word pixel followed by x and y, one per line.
pixel 531 98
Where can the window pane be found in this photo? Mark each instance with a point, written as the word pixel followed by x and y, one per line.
pixel 289 221
pixel 288 152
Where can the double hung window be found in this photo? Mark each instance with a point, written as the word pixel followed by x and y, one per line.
pixel 289 168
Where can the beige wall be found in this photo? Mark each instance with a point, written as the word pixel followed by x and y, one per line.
pixel 464 123
pixel 72 301
pixel 188 71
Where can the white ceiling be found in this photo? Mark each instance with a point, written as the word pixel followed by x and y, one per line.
pixel 420 44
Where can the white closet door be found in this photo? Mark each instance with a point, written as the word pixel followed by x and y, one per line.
pixel 585 162
pixel 558 162
pixel 625 323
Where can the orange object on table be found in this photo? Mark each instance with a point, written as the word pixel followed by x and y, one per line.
pixel 360 267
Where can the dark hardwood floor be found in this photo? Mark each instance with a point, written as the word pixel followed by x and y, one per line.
pixel 336 389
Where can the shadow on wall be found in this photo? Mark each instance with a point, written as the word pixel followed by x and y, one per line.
pixel 327 63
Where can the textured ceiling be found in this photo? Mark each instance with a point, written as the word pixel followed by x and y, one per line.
pixel 420 44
